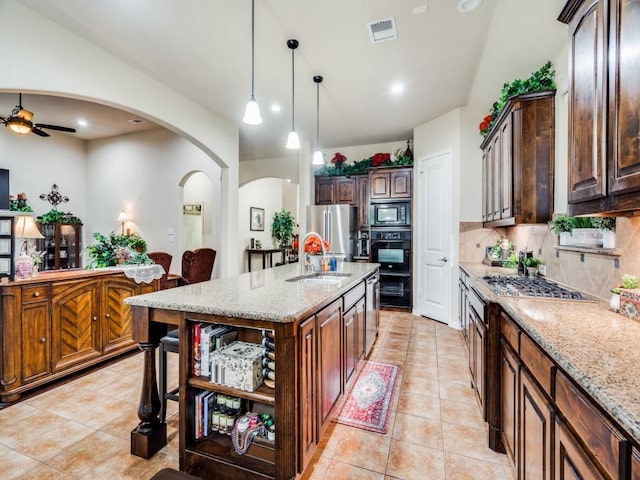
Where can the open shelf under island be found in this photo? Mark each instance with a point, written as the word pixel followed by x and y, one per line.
pixel 318 329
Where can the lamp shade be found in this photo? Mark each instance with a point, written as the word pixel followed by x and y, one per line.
pixel 318 159
pixel 292 140
pixel 252 113
pixel 19 125
pixel 25 227
pixel 123 216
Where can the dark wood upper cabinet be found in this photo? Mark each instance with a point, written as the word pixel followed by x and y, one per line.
pixel 604 93
pixel 332 190
pixel 518 162
pixel 390 183
pixel 325 188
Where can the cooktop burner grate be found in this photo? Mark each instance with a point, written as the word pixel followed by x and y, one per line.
pixel 531 287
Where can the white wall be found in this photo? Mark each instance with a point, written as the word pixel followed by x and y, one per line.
pixel 267 193
pixel 357 153
pixel 143 174
pixel 53 60
pixel 36 163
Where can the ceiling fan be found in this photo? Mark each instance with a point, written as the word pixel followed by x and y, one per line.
pixel 20 122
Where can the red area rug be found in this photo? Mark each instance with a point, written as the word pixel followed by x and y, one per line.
pixel 368 404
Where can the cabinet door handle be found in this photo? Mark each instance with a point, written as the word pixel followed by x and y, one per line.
pixel 43 340
pixel 444 259
pixel 108 315
pixel 94 318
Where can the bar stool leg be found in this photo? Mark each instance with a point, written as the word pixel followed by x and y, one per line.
pixel 163 383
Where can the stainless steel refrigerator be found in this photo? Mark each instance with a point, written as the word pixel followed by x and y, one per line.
pixel 337 224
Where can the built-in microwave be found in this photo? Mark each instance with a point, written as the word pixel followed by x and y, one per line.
pixel 390 214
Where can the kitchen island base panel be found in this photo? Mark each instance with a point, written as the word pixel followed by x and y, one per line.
pixel 213 456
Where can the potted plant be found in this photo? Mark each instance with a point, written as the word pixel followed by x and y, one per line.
pixel 608 227
pixel 532 264
pixel 629 282
pixel 282 226
pixel 117 250
pixel 562 226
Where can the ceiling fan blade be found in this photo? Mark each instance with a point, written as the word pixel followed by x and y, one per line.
pixel 40 133
pixel 56 127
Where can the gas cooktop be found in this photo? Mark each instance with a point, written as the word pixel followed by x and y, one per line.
pixel 531 287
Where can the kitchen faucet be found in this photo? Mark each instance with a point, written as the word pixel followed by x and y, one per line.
pixel 303 256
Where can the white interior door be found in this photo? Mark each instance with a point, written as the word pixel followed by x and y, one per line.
pixel 433 242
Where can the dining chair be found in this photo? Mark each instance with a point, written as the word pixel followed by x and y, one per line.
pixel 163 259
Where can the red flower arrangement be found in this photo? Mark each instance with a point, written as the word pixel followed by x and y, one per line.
pixel 380 159
pixel 312 246
pixel 338 159
pixel 485 124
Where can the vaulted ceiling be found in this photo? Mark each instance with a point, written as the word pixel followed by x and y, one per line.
pixel 441 58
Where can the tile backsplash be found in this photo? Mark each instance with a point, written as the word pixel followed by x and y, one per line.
pixel 593 273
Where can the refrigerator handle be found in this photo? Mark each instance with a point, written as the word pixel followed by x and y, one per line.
pixel 327 228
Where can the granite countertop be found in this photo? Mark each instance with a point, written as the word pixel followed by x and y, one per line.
pixel 597 347
pixel 258 295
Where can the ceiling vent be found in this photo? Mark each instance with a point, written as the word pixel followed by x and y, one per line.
pixel 382 30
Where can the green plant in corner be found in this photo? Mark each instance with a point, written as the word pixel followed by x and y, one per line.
pixel 562 224
pixel 604 223
pixel 282 226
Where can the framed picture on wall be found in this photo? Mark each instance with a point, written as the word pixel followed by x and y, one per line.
pixel 256 219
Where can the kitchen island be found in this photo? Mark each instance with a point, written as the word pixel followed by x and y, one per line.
pixel 318 328
pixel 564 382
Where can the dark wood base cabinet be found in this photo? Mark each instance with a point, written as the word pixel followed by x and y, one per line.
pixel 551 428
pixel 60 323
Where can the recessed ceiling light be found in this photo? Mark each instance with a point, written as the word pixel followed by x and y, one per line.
pixel 136 121
pixel 397 88
pixel 275 107
pixel 465 6
pixel 82 122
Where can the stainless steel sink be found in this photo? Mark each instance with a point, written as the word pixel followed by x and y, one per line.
pixel 321 278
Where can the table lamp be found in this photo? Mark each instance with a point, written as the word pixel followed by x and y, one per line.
pixel 25 228
pixel 122 218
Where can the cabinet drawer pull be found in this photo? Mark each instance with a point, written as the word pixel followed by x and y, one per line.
pixel 43 340
pixel 94 318
pixel 37 294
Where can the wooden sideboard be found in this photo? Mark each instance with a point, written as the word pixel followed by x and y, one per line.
pixel 61 322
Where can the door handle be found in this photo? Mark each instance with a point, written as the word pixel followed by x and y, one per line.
pixel 444 259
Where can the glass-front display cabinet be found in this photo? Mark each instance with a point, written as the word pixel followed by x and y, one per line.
pixel 61 244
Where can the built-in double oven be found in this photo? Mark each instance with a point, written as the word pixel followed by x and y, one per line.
pixel 391 248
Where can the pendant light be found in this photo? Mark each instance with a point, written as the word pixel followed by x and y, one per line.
pixel 318 159
pixel 293 141
pixel 252 112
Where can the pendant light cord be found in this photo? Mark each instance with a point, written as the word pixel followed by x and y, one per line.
pixel 253 6
pixel 293 91
pixel 317 114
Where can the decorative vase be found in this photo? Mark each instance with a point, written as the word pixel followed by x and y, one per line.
pixel 35 271
pixel 614 303
pixel 24 267
pixel 314 260
pixel 532 271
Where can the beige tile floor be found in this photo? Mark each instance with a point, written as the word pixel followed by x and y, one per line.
pixel 80 430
